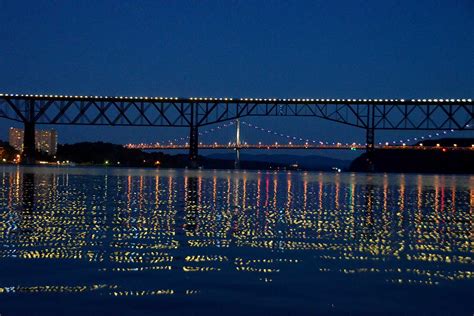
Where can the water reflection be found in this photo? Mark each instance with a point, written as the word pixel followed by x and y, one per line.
pixel 146 233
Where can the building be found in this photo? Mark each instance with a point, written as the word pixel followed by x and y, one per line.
pixel 46 140
pixel 15 138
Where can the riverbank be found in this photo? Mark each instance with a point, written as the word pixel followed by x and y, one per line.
pixel 416 161
pixel 436 156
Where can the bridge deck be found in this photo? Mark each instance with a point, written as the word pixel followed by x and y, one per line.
pixel 288 146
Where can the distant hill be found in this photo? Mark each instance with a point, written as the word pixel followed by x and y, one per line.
pixel 99 153
pixel 312 162
pixel 448 142
pixel 421 161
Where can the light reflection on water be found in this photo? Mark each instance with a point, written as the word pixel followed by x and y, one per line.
pixel 185 241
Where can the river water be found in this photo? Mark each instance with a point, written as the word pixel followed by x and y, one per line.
pixel 144 241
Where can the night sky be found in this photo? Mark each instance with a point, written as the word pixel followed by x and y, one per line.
pixel 281 49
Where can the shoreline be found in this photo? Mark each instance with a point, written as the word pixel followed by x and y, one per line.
pixel 231 170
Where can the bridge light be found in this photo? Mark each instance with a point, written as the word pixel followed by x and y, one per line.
pixel 437 145
pixel 404 144
pixel 469 100
pixel 421 144
pixel 463 100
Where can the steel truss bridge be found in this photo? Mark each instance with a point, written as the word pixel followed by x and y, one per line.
pixel 193 113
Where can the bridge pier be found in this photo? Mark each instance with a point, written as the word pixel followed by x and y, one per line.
pixel 370 139
pixel 29 142
pixel 193 140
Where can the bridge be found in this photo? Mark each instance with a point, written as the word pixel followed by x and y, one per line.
pixel 293 142
pixel 297 146
pixel 196 112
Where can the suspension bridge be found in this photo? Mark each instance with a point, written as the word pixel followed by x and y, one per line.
pixel 195 113
pixel 292 142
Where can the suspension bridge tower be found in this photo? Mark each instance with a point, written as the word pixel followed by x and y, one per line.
pixel 237 144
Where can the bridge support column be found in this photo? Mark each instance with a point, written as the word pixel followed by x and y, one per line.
pixel 29 142
pixel 193 140
pixel 370 138
pixel 237 145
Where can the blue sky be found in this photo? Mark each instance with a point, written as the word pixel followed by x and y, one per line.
pixel 314 49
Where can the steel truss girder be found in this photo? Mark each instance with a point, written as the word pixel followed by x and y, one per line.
pixel 176 112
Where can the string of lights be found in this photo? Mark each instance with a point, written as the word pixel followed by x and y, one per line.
pixel 294 138
pixel 440 100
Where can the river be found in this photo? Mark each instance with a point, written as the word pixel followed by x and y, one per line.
pixel 145 241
